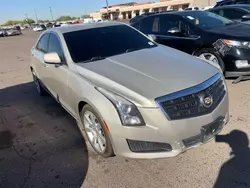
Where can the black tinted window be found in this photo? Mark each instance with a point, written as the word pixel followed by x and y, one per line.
pixel 146 25
pixel 168 22
pixel 43 43
pixel 233 14
pixel 55 46
pixel 85 45
pixel 205 20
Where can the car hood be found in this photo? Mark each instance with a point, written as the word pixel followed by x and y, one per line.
pixel 141 76
pixel 237 31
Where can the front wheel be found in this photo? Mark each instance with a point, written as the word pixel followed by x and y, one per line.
pixel 96 132
pixel 211 55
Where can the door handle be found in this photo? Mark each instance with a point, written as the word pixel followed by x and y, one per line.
pixel 45 65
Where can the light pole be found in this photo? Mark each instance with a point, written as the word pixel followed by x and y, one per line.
pixel 36 15
pixel 107 6
pixel 51 13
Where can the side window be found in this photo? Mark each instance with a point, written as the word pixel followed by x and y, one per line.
pixel 43 43
pixel 55 46
pixel 233 14
pixel 168 22
pixel 147 25
pixel 155 28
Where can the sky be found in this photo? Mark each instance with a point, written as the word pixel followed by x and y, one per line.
pixel 17 9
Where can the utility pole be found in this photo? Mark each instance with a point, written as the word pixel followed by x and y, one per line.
pixel 107 6
pixel 36 15
pixel 51 13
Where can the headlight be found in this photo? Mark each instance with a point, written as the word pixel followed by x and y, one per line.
pixel 240 44
pixel 128 112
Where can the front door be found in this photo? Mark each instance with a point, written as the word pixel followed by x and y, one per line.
pixel 57 75
pixel 175 33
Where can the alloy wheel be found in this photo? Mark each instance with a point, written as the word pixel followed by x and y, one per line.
pixel 94 131
pixel 209 57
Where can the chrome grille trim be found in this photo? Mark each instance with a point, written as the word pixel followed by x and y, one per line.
pixel 189 95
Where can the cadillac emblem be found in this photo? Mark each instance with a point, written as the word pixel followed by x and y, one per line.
pixel 206 100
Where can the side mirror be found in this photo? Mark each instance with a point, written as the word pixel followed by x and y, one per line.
pixel 52 58
pixel 245 18
pixel 152 37
pixel 174 30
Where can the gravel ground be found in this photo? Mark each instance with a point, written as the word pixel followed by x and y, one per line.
pixel 40 145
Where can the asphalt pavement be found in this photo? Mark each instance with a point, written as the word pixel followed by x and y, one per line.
pixel 41 146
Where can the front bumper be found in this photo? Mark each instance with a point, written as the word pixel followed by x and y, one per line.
pixel 159 129
pixel 231 56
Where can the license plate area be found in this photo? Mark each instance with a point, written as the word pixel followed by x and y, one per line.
pixel 212 129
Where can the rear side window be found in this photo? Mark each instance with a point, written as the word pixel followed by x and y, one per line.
pixel 147 25
pixel 43 43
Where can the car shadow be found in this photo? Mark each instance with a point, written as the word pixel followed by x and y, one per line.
pixel 236 171
pixel 40 144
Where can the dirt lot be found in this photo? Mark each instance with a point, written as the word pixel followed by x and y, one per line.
pixel 40 145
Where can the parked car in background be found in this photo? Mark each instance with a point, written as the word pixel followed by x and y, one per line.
pixel 2 33
pixel 192 8
pixel 118 91
pixel 40 27
pixel 205 35
pixel 57 24
pixel 231 2
pixel 48 25
pixel 13 32
pixel 237 12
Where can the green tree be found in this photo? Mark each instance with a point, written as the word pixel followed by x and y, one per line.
pixel 85 16
pixel 28 21
pixel 64 18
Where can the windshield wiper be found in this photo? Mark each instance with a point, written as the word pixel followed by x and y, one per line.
pixel 132 49
pixel 95 58
pixel 231 23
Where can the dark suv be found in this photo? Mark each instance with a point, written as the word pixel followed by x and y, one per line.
pixel 203 34
pixel 231 2
pixel 237 12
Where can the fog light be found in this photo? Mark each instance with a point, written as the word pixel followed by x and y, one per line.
pixel 241 63
pixel 143 146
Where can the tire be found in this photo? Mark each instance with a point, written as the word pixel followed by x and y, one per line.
pixel 106 151
pixel 214 53
pixel 41 91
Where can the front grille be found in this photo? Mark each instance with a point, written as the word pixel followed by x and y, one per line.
pixel 189 103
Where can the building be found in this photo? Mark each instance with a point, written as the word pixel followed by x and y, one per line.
pixel 132 9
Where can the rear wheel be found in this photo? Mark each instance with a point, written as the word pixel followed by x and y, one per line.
pixel 41 91
pixel 95 132
pixel 211 55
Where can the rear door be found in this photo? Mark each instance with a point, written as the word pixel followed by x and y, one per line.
pixel 37 55
pixel 186 40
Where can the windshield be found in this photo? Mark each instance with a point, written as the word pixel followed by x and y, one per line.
pixel 206 20
pixel 86 45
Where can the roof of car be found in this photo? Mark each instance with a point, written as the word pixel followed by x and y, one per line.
pixel 182 12
pixel 77 27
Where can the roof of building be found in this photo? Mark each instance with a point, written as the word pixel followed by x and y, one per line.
pixel 77 27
